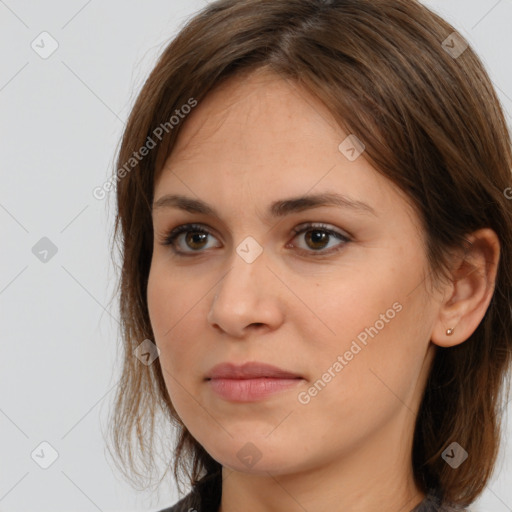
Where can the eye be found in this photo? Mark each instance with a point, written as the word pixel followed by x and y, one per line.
pixel 196 238
pixel 318 236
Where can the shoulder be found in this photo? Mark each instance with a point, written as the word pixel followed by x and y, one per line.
pixel 190 503
pixel 447 507
pixel 204 496
pixel 434 502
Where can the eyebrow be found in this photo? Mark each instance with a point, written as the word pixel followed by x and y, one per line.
pixel 278 208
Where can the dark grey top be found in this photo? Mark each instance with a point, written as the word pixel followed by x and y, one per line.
pixel 205 497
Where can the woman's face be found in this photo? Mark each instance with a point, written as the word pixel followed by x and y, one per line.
pixel 342 307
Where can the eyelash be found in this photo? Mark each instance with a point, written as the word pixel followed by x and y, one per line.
pixel 170 238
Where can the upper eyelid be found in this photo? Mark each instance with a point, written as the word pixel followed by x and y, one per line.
pixel 299 227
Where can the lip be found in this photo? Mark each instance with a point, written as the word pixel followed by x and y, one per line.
pixel 250 382
pixel 250 370
pixel 250 390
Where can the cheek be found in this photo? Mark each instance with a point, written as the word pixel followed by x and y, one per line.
pixel 355 299
pixel 377 324
pixel 163 307
pixel 166 307
pixel 376 383
pixel 167 297
pixel 174 306
pixel 157 298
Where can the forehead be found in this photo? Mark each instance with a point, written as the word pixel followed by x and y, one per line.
pixel 251 109
pixel 261 136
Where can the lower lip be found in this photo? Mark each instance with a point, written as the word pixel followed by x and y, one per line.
pixel 250 390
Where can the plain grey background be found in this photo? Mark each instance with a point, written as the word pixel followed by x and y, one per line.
pixel 61 119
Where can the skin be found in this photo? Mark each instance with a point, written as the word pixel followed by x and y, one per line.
pixel 249 143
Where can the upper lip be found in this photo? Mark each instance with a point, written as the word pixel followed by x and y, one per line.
pixel 248 371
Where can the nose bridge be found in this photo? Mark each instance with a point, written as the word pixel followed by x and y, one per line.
pixel 244 295
pixel 246 273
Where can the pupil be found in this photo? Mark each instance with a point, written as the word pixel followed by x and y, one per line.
pixel 317 236
pixel 194 237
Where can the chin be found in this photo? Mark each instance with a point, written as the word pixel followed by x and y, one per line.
pixel 258 458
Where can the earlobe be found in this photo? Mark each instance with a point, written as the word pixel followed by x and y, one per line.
pixel 470 292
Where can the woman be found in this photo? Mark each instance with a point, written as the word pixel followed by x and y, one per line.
pixel 316 253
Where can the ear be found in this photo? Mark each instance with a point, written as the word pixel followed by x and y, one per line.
pixel 467 297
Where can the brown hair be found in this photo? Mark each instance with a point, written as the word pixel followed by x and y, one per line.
pixel 431 123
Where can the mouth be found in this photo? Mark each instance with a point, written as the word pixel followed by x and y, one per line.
pixel 251 370
pixel 250 390
pixel 250 382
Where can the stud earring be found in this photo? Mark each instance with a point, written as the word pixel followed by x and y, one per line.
pixel 449 332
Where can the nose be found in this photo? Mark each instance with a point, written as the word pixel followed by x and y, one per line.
pixel 248 297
